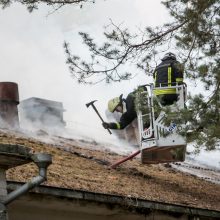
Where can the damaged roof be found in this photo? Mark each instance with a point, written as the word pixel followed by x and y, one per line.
pixel 81 168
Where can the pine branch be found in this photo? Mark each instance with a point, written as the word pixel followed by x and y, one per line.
pixel 118 55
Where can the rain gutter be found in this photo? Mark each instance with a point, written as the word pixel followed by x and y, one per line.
pixel 125 202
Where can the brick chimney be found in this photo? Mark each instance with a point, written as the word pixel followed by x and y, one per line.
pixel 9 99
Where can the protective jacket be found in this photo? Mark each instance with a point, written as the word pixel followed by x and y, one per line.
pixel 128 116
pixel 167 74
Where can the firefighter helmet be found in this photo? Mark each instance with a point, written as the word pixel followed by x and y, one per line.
pixel 113 103
pixel 169 56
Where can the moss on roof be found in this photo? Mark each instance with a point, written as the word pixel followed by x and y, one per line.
pixel 79 168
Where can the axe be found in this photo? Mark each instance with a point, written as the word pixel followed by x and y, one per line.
pixel 92 104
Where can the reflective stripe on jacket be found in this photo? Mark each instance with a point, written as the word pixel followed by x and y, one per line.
pixel 168 73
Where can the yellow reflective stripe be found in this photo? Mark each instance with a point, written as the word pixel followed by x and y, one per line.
pixel 155 77
pixel 164 91
pixel 118 125
pixel 169 76
pixel 179 79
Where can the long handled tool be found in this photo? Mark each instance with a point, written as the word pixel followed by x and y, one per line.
pixel 92 104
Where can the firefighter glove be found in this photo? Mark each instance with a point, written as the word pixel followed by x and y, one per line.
pixel 105 125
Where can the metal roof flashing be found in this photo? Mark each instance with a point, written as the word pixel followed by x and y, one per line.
pixel 14 155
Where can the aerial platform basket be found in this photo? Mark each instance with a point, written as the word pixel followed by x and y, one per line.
pixel 160 143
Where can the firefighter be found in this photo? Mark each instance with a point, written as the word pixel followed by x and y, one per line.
pixel 168 73
pixel 124 106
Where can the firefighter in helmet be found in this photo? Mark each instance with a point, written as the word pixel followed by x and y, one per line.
pixel 124 106
pixel 168 73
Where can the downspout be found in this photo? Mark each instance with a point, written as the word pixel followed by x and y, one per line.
pixel 42 161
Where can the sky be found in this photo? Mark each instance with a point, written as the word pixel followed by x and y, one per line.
pixel 32 53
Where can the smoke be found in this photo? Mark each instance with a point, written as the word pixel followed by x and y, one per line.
pixel 42 119
pixel 32 56
pixel 4 124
